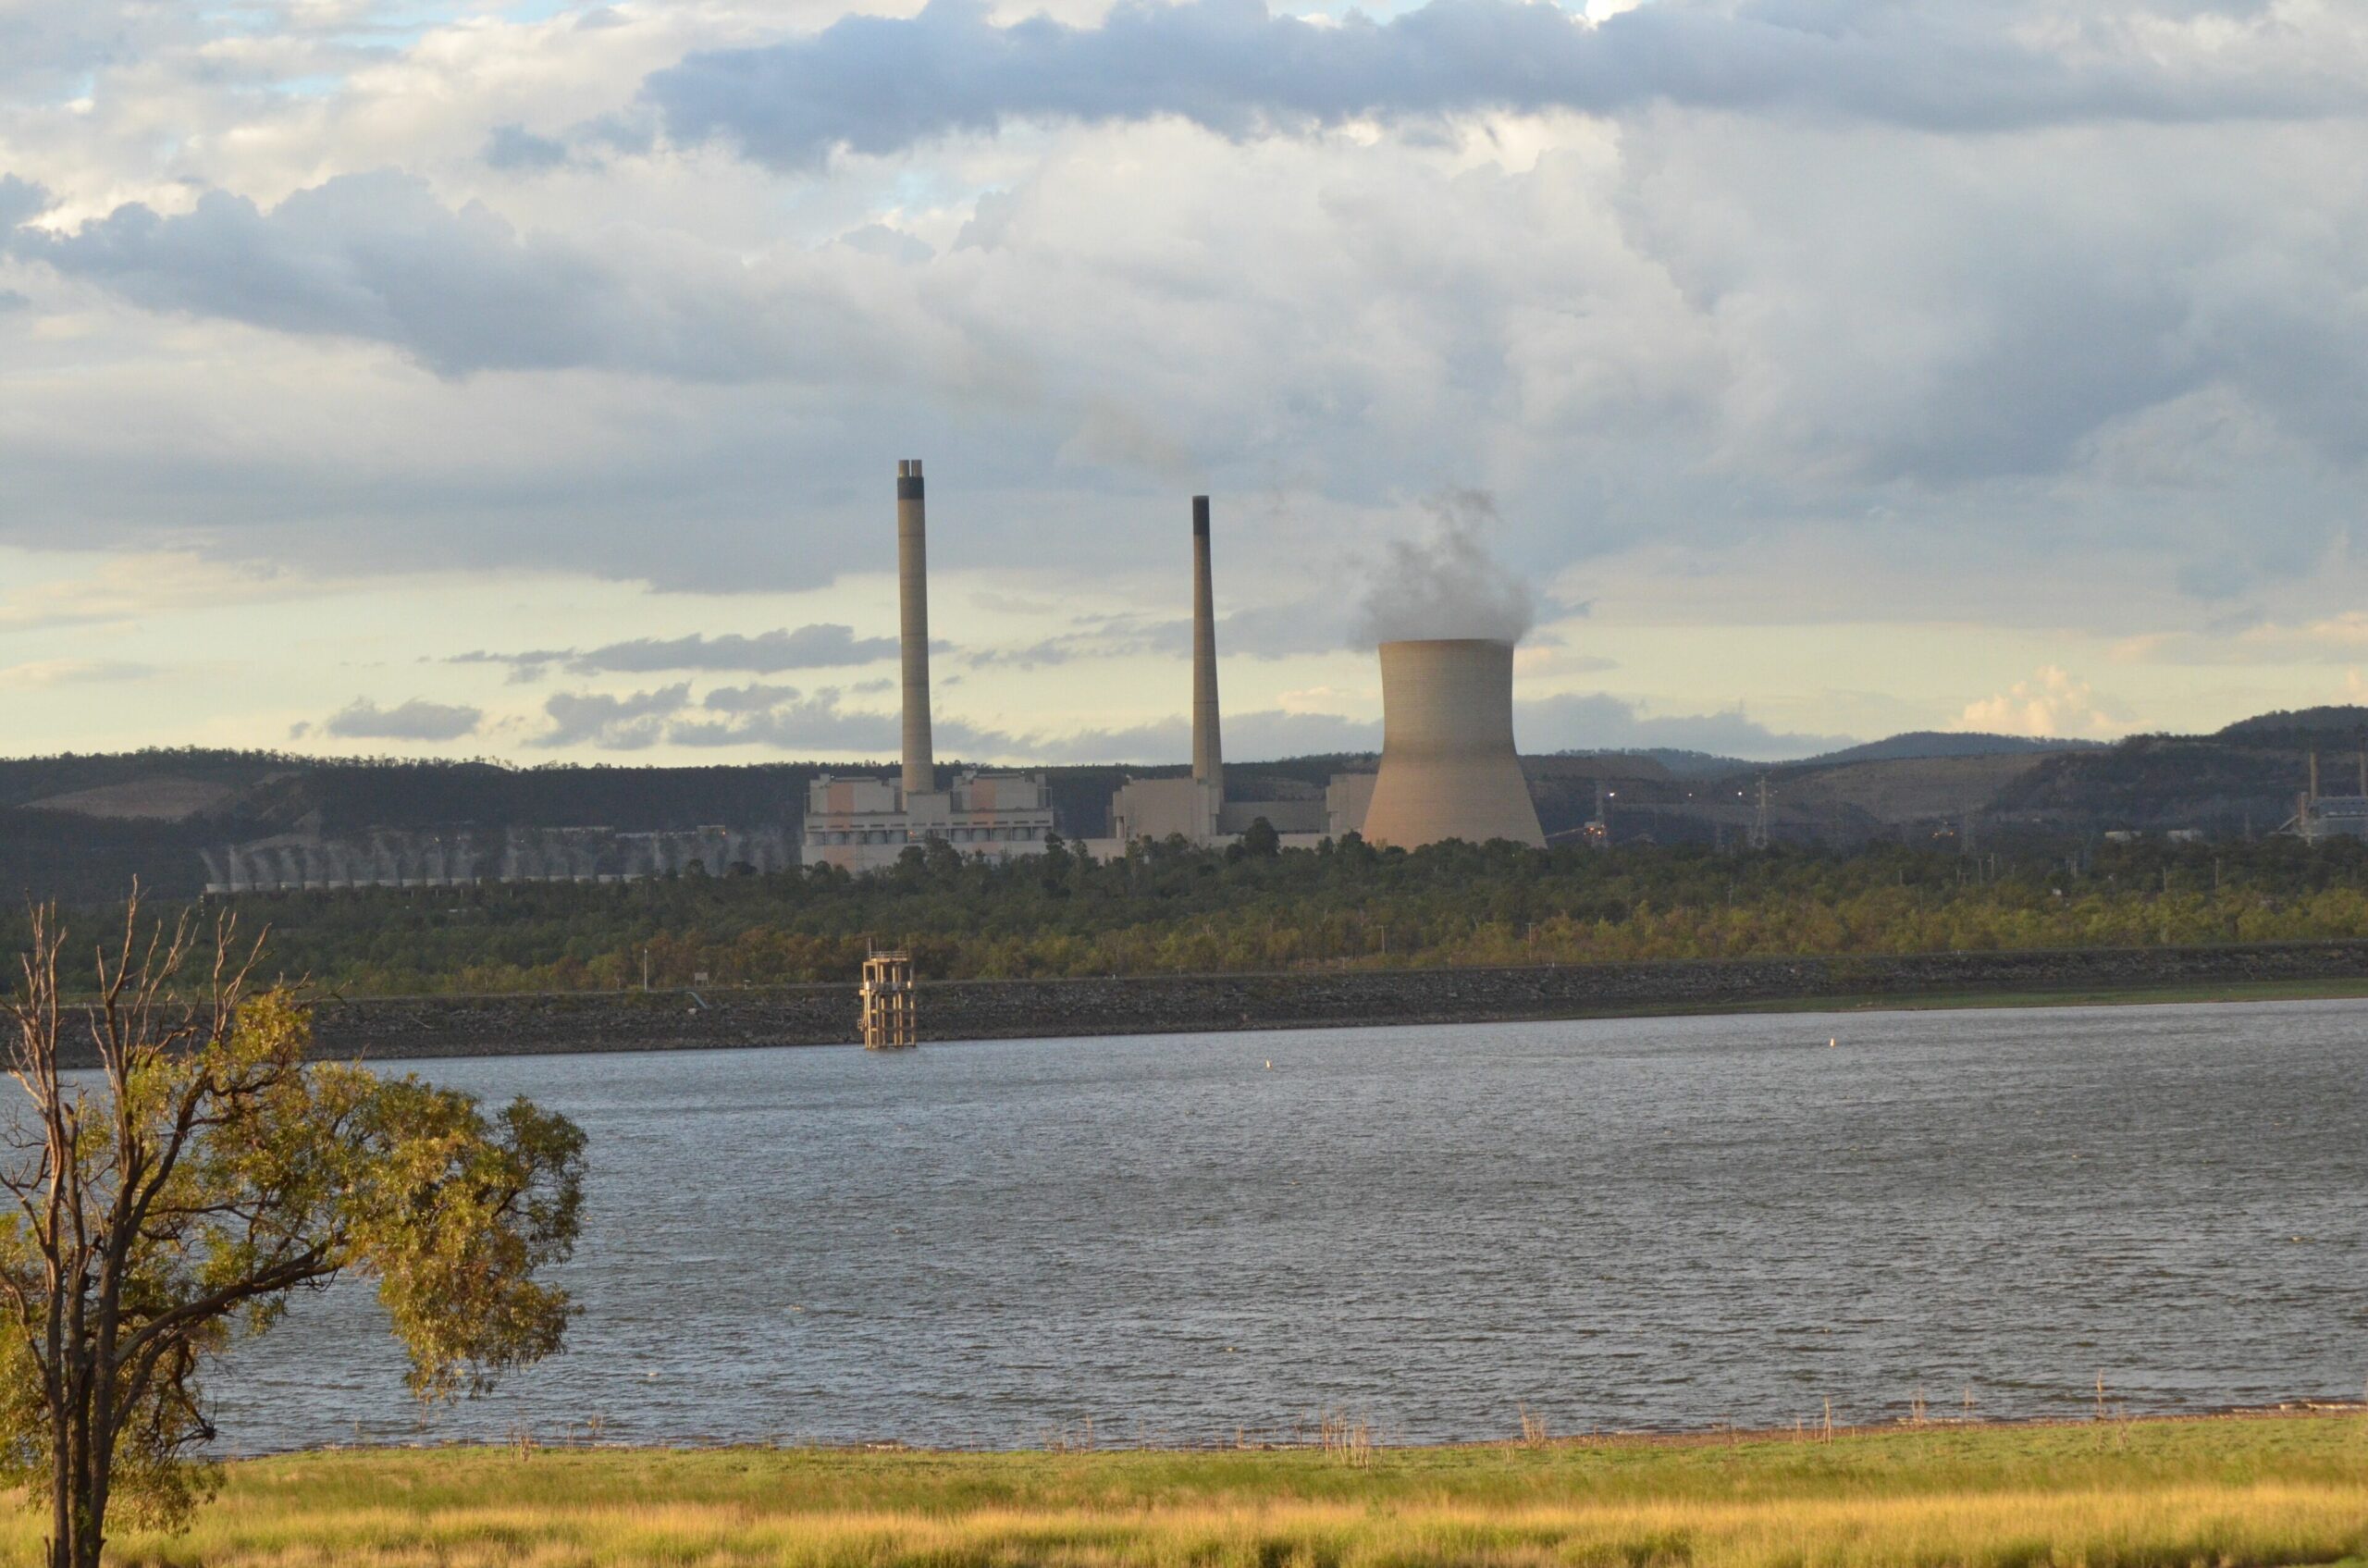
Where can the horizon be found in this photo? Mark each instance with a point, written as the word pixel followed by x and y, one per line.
pixel 886 763
pixel 522 377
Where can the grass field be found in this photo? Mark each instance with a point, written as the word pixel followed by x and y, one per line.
pixel 2229 1491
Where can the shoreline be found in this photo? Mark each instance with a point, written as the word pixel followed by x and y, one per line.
pixel 949 1011
pixel 558 1023
pixel 2298 1410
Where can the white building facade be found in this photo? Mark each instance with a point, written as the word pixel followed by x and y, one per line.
pixel 864 824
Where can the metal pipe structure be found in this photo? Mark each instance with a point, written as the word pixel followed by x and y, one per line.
pixel 1208 758
pixel 912 599
pixel 1449 768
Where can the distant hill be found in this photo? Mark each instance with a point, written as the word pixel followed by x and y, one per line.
pixel 2322 727
pixel 1689 764
pixel 1918 744
pixel 80 827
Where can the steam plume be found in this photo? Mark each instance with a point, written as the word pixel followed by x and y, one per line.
pixel 1447 586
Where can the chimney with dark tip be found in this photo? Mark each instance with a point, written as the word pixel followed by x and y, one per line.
pixel 1208 759
pixel 912 600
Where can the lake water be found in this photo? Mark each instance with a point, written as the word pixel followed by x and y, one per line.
pixel 1647 1223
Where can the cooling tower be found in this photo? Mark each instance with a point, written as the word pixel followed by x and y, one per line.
pixel 1208 760
pixel 1448 765
pixel 912 602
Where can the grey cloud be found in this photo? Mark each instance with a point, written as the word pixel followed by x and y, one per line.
pixel 879 85
pixel 822 646
pixel 752 698
pixel 812 723
pixel 378 257
pixel 367 255
pixel 889 245
pixel 415 719
pixel 1447 585
pixel 777 717
pixel 525 668
pixel 1315 625
pixel 1251 735
pixel 1599 722
pixel 513 147
pixel 1728 327
pixel 613 723
pixel 20 199
pixel 1098 637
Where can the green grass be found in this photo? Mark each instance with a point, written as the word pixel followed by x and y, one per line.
pixel 2146 1494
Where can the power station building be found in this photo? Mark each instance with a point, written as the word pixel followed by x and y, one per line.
pixel 1448 768
pixel 864 824
pixel 1195 809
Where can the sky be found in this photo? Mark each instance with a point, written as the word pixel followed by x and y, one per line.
pixel 527 381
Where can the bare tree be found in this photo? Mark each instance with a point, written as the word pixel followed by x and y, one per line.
pixel 172 1198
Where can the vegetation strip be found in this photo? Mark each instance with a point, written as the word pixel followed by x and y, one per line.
pixel 2286 1490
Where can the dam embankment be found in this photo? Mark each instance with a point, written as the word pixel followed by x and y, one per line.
pixel 395 1027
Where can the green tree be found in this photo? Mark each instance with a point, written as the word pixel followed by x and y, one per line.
pixel 170 1201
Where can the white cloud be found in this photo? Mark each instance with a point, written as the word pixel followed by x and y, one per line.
pixel 2051 705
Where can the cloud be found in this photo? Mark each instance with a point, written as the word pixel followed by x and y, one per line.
pixel 890 244
pixel 41 674
pixel 515 149
pixel 612 724
pixel 780 719
pixel 20 199
pixel 2049 705
pixel 376 256
pixel 1447 586
pixel 1746 337
pixel 1316 624
pixel 415 719
pixel 1095 636
pixel 776 718
pixel 878 85
pixel 1600 722
pixel 1555 723
pixel 1260 734
pixel 819 646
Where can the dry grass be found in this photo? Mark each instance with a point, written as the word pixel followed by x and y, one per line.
pixel 2140 1495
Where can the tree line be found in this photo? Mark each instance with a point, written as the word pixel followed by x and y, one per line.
pixel 1169 908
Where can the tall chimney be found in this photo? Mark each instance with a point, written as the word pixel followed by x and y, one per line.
pixel 912 602
pixel 1208 755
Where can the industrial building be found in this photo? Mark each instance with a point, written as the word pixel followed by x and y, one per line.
pixel 1447 769
pixel 1196 808
pixel 865 825
pixel 1447 766
pixel 2320 817
pixel 462 856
